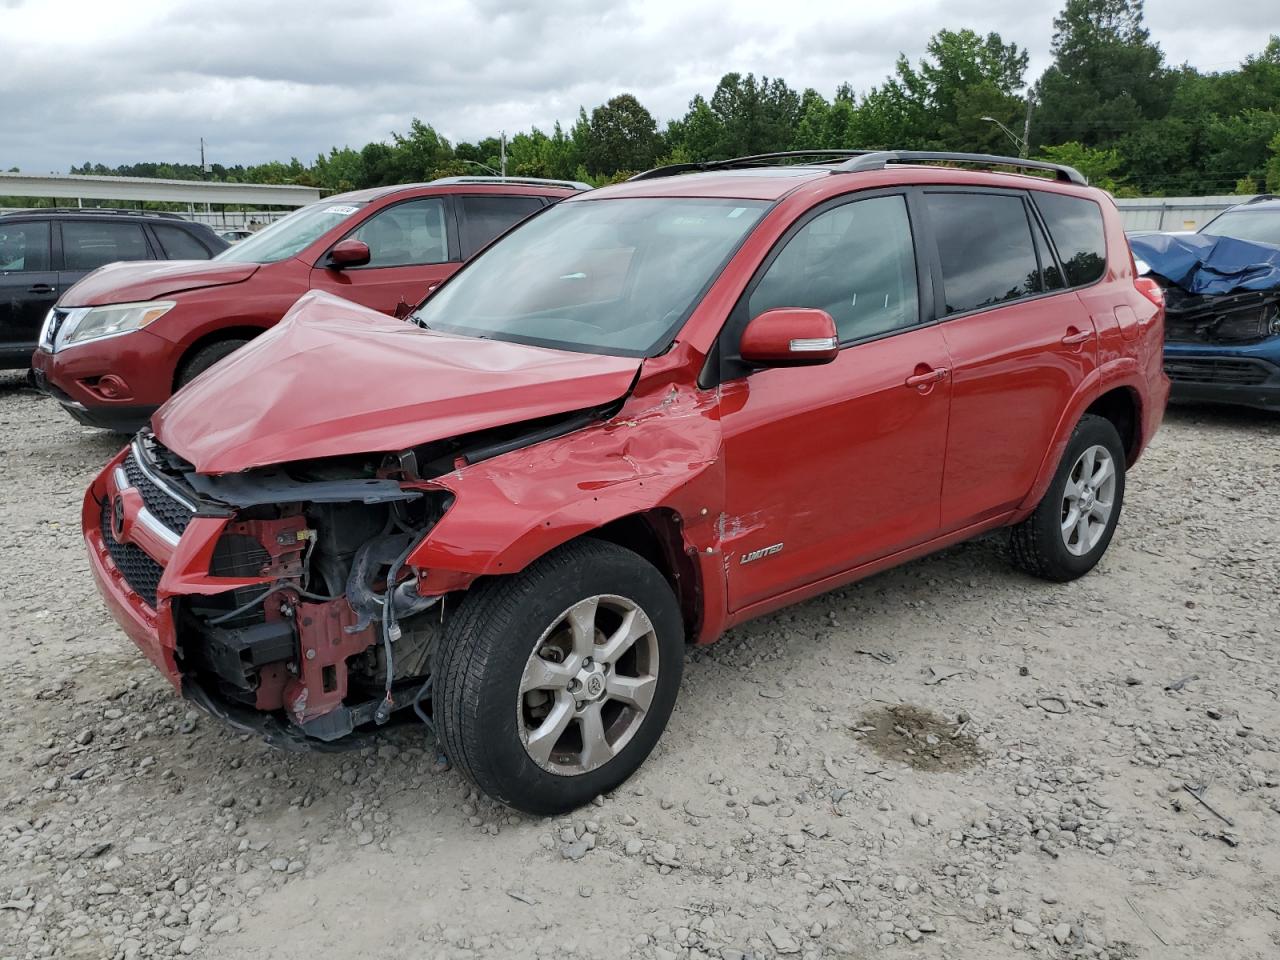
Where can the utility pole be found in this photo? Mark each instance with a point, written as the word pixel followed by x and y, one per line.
pixel 202 171
pixel 503 143
pixel 1026 125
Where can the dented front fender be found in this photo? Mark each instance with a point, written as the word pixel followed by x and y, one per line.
pixel 662 451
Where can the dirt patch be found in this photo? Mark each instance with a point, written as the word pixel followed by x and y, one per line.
pixel 919 738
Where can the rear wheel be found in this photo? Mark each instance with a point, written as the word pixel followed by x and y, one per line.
pixel 206 357
pixel 553 685
pixel 1072 526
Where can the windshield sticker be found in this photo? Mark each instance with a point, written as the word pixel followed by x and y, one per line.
pixel 344 211
pixel 737 212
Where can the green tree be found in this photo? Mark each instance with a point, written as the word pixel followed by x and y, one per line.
pixel 623 136
pixel 420 154
pixel 754 116
pixel 1107 77
pixel 964 78
pixel 1100 166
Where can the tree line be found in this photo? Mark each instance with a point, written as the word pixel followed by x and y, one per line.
pixel 1108 104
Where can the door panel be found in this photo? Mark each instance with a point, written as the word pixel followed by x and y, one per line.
pixel 838 464
pixel 1018 351
pixel 1012 376
pixel 410 248
pixel 28 288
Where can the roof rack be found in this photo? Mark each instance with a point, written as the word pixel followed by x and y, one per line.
pixel 752 160
pixel 879 159
pixel 104 211
pixel 525 181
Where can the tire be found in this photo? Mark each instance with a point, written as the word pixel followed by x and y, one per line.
pixel 1039 544
pixel 497 644
pixel 206 357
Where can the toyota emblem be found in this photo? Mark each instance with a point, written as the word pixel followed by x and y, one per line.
pixel 117 518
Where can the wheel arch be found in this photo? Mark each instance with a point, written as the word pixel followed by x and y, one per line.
pixel 1111 391
pixel 657 537
pixel 237 332
pixel 1123 407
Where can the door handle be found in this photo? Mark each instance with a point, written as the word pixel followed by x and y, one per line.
pixel 924 379
pixel 41 288
pixel 1073 339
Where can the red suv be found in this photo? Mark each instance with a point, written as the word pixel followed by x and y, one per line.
pixel 120 341
pixel 648 414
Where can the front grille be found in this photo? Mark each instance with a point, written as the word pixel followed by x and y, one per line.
pixel 1245 373
pixel 172 513
pixel 49 335
pixel 140 572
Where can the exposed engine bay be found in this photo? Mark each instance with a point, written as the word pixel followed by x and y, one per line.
pixel 334 632
pixel 299 618
pixel 1238 318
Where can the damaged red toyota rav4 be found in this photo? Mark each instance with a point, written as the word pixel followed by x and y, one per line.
pixel 648 414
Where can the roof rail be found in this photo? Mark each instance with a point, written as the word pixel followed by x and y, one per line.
pixel 672 169
pixel 104 211
pixel 1260 197
pixel 879 159
pixel 520 181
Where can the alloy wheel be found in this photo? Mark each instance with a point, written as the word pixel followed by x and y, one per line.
pixel 1088 500
pixel 588 684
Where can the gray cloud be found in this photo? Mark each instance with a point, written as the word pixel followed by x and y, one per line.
pixel 294 77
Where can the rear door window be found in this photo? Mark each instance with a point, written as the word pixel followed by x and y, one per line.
pixel 24 247
pixel 87 245
pixel 178 244
pixel 985 249
pixel 855 261
pixel 1076 227
pixel 483 218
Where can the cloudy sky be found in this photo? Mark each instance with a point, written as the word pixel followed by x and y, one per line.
pixel 133 80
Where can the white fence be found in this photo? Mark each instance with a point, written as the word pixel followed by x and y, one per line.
pixel 1173 213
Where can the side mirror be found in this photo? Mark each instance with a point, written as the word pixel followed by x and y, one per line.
pixel 347 253
pixel 790 337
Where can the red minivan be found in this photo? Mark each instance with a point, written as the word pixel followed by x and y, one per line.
pixel 648 414
pixel 124 338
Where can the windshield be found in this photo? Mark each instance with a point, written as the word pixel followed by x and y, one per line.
pixel 1257 225
pixel 290 234
pixel 597 276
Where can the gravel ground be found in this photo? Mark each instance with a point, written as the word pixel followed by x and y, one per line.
pixel 946 761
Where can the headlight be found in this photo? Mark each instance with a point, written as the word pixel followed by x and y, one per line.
pixel 96 323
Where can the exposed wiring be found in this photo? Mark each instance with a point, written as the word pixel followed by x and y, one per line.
pixel 224 617
pixel 390 632
pixel 306 560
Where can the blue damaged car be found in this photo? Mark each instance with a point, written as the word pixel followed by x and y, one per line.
pixel 1222 305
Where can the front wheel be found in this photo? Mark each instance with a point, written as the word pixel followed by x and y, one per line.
pixel 554 684
pixel 206 357
pixel 1072 525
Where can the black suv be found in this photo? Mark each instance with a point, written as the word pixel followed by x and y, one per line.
pixel 43 252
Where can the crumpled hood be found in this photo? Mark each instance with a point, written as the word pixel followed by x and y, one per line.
pixel 334 378
pixel 149 279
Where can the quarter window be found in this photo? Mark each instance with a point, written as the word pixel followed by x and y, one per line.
pixel 483 218
pixel 87 246
pixel 856 262
pixel 1076 227
pixel 178 244
pixel 24 247
pixel 408 234
pixel 985 247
